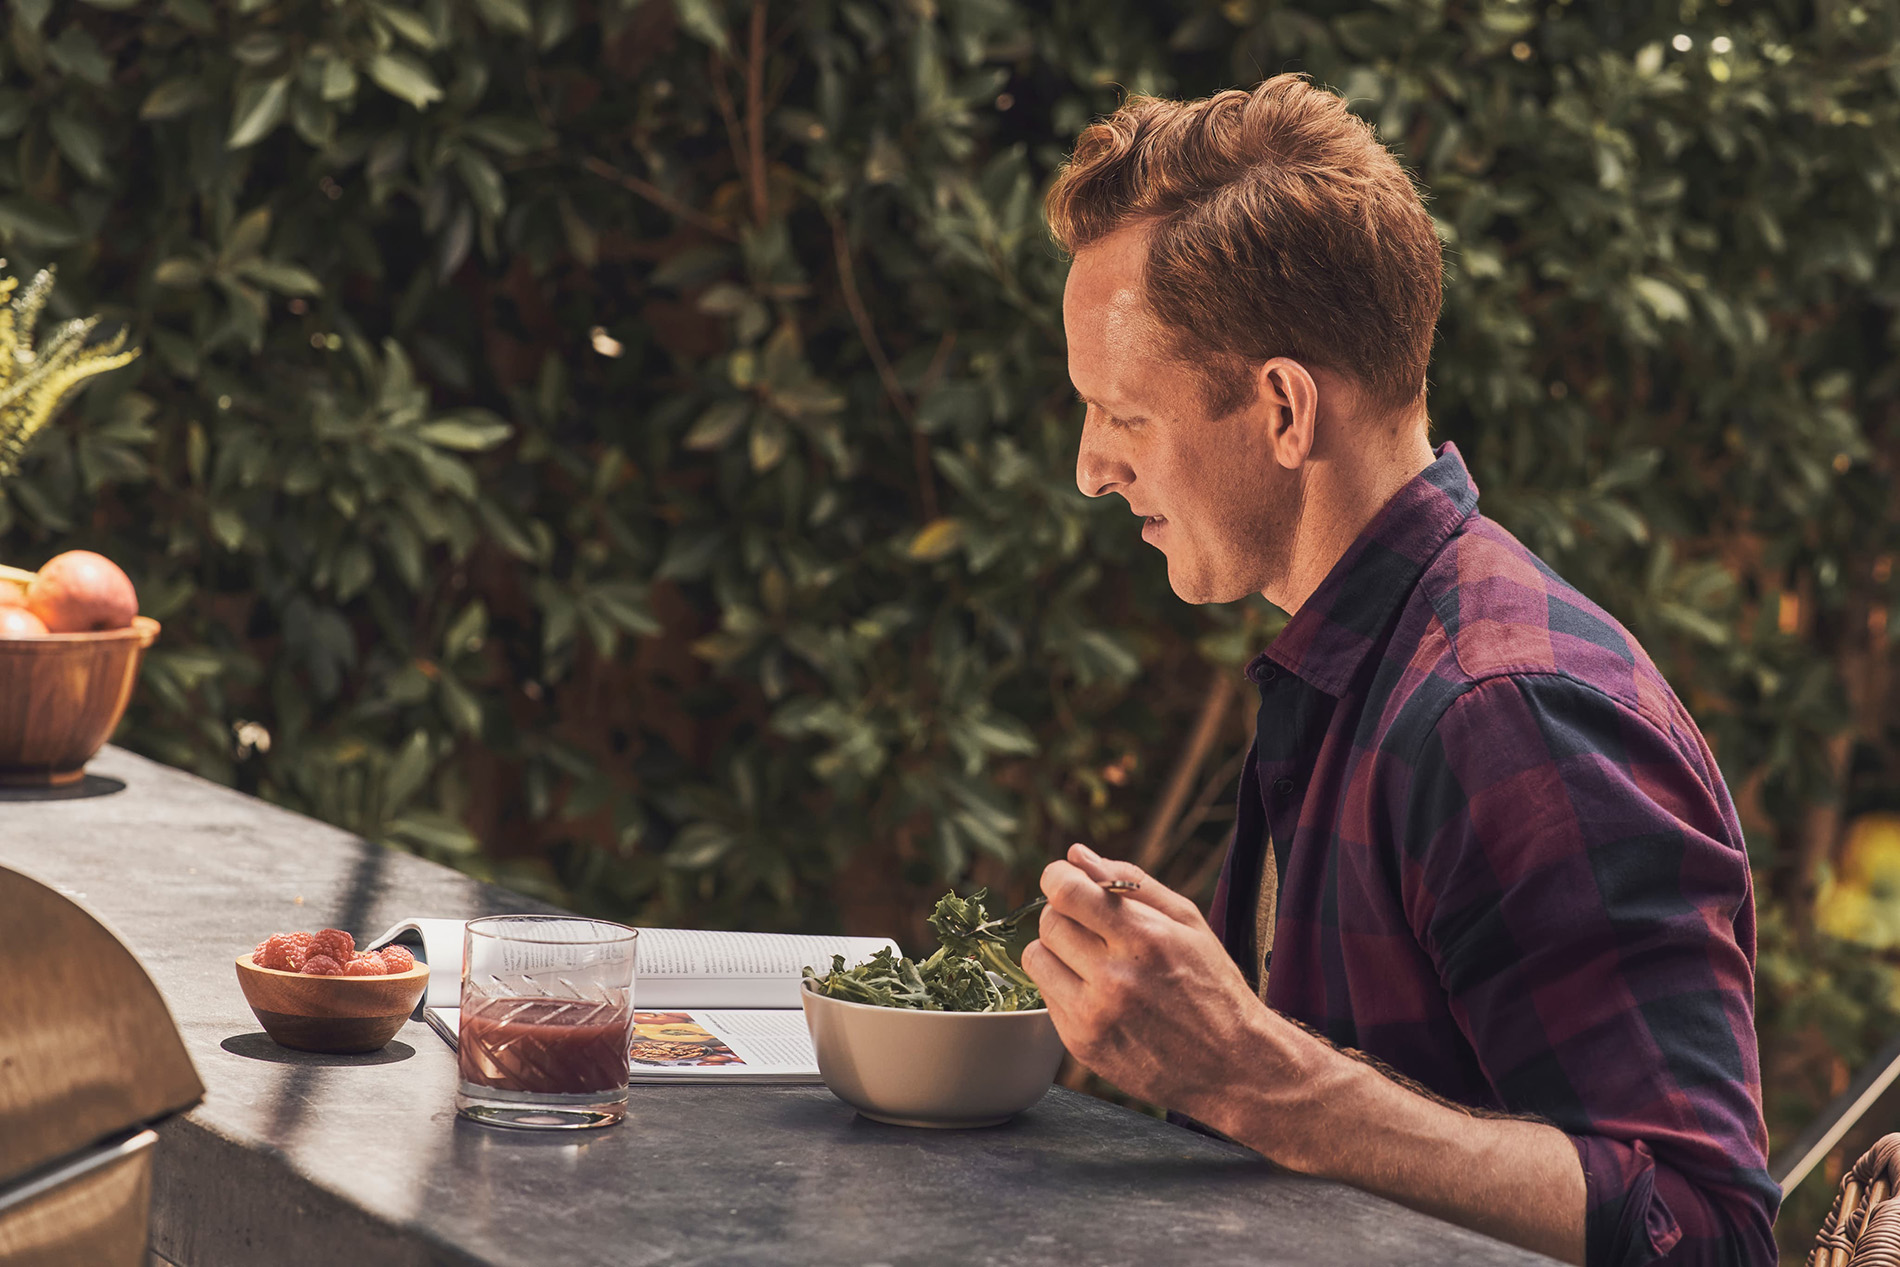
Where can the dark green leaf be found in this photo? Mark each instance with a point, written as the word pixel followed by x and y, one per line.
pixel 410 25
pixel 401 75
pixel 471 432
pixel 81 143
pixel 282 276
pixel 173 99
pixel 260 108
pixel 35 223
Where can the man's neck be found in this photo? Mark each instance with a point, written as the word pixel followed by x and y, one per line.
pixel 1344 492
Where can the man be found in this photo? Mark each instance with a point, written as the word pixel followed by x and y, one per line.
pixel 1484 941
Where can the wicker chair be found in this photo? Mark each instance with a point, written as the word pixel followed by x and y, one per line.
pixel 1863 1228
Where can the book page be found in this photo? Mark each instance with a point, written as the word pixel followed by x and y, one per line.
pixel 770 1045
pixel 770 1039
pixel 690 968
pixel 438 943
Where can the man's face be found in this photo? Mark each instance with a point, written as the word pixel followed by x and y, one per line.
pixel 1212 497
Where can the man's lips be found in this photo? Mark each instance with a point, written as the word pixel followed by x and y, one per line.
pixel 1151 526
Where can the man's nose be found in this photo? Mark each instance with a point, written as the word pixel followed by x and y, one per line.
pixel 1098 472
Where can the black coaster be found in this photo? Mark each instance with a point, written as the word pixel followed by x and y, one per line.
pixel 89 786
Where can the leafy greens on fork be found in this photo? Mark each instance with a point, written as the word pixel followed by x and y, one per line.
pixel 971 970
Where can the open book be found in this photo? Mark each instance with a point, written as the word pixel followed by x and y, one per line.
pixel 712 1006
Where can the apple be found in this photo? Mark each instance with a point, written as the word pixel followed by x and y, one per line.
pixel 18 622
pixel 12 593
pixel 79 591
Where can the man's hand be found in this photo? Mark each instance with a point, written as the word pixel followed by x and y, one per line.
pixel 1143 993
pixel 1139 987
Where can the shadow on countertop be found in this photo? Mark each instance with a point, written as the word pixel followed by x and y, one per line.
pixel 89 786
pixel 260 1046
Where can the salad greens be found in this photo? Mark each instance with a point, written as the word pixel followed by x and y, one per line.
pixel 971 970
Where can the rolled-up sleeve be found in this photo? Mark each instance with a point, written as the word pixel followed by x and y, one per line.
pixel 1575 871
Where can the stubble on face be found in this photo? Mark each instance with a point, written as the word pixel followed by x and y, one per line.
pixel 1250 513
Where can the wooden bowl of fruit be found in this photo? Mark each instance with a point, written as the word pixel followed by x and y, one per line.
pixel 317 992
pixel 71 640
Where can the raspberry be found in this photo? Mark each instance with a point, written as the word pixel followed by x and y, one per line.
pixel 366 966
pixel 274 953
pixel 300 950
pixel 397 958
pixel 335 943
pixel 321 966
pixel 285 952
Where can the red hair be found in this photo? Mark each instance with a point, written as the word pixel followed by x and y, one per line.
pixel 1281 227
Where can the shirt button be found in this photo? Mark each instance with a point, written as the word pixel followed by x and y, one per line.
pixel 1282 787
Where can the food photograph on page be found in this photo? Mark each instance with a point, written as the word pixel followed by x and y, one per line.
pixel 676 1039
pixel 1223 630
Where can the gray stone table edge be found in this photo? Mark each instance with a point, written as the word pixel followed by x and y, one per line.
pixel 296 1159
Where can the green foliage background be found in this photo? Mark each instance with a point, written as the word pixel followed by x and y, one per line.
pixel 624 449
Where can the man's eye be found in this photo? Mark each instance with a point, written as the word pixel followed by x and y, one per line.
pixel 1107 418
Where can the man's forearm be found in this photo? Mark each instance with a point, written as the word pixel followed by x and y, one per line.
pixel 1329 1115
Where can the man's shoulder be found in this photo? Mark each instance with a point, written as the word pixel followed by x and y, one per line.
pixel 1487 610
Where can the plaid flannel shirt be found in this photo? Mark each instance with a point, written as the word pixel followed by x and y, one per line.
pixel 1507 866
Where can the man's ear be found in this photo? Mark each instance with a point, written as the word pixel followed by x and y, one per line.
pixel 1289 400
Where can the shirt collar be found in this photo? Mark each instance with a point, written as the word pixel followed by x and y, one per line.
pixel 1330 636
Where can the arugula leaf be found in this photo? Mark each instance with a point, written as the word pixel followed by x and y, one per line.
pixel 971 970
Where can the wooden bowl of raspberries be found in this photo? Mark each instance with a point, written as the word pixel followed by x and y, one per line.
pixel 318 992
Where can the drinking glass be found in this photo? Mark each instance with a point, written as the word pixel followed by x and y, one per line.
pixel 547 1014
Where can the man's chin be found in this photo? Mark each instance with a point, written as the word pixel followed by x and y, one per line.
pixel 1192 586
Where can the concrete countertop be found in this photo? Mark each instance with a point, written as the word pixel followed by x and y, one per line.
pixel 298 1159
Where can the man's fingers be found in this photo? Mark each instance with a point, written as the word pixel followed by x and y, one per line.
pixel 1152 892
pixel 1073 892
pixel 1081 948
pixel 1053 977
pixel 1099 868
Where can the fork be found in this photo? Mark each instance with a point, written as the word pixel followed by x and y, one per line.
pixel 1036 903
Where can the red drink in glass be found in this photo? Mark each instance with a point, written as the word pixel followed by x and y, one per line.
pixel 547 1015
pixel 549 1046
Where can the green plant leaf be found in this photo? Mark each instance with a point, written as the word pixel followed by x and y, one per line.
pixel 718 425
pixel 179 272
pixel 506 16
pixel 338 82
pixel 282 276
pixel 701 845
pixel 507 135
pixel 403 76
pixel 701 20
pixel 483 182
pixel 1661 298
pixel 469 433
pixel 260 108
pixel 173 99
pixel 408 24
pixel 248 235
pixel 81 144
pixel 407 772
pixel 35 223
pixel 78 54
